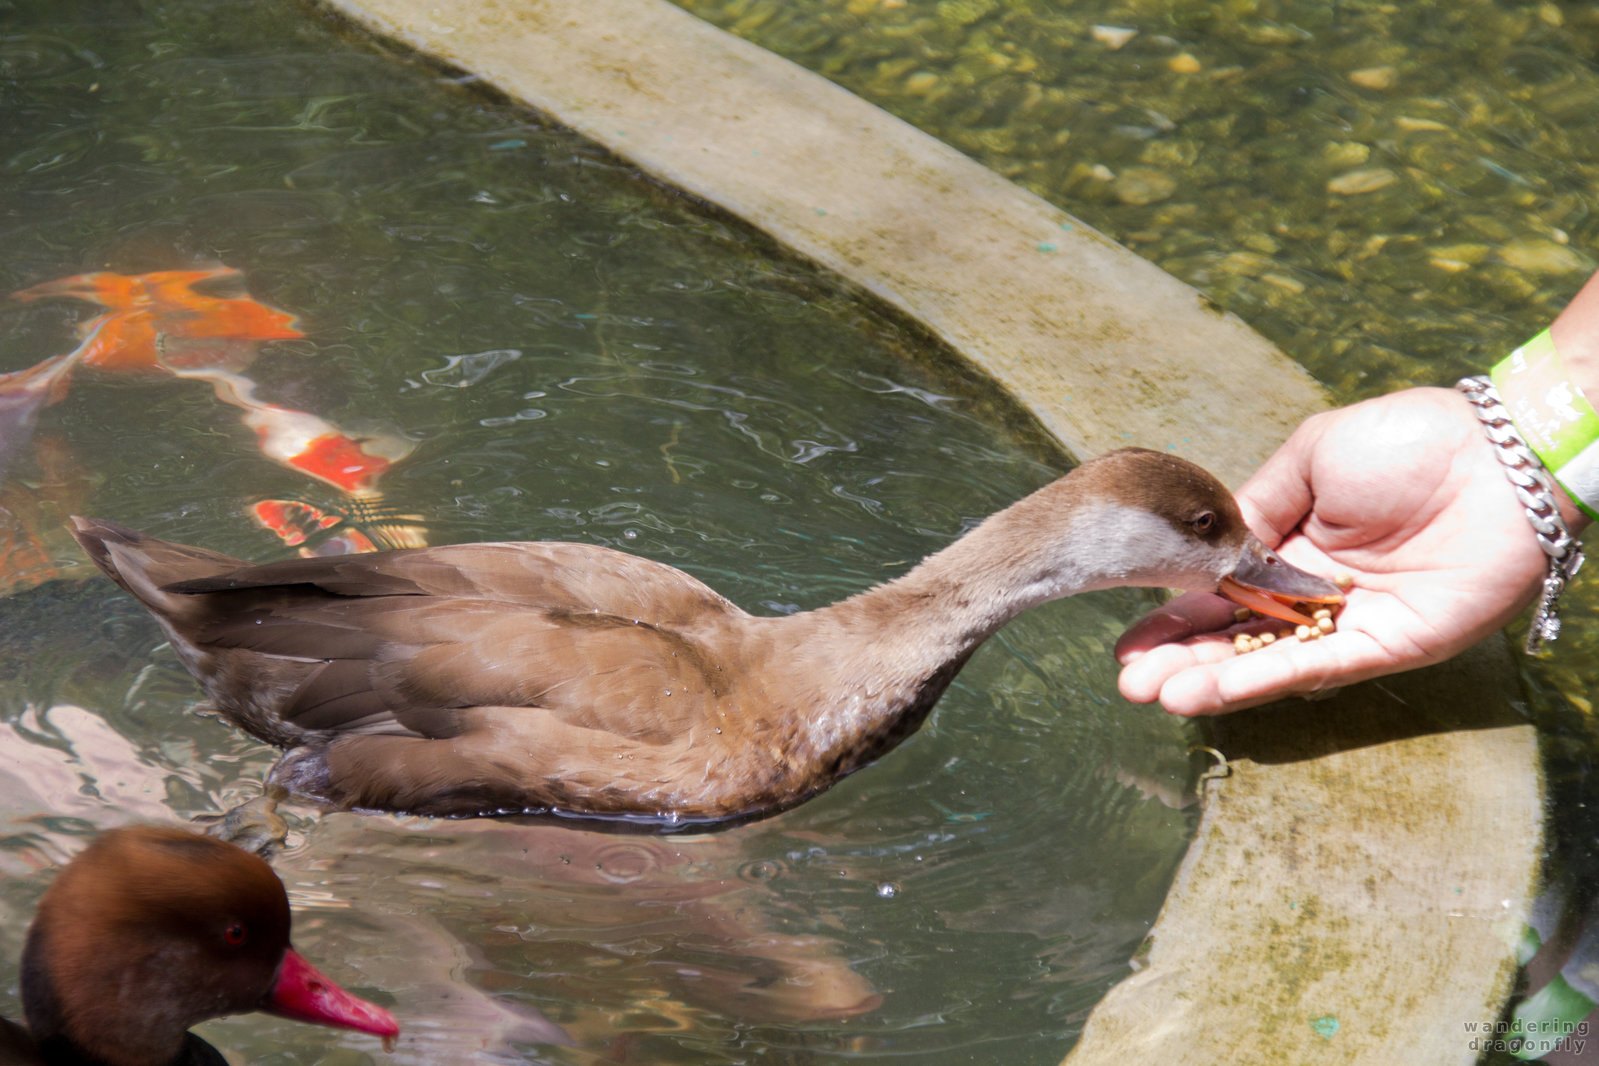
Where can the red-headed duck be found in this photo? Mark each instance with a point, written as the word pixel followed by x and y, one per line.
pixel 151 930
pixel 571 679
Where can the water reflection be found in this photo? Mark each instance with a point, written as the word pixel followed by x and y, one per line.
pixel 414 903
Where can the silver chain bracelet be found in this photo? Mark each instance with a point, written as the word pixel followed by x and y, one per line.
pixel 1532 487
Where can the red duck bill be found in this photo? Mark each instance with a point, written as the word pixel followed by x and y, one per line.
pixel 303 994
pixel 1266 584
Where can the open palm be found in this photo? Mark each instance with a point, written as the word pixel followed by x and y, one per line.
pixel 1404 494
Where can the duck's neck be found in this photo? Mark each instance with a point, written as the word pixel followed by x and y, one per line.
pixel 1034 551
pixel 885 655
pixel 62 1052
pixel 118 1037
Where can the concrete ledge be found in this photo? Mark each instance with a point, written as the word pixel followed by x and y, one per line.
pixel 1352 891
pixel 1355 885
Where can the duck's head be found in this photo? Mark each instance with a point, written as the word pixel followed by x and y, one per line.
pixel 151 930
pixel 1141 517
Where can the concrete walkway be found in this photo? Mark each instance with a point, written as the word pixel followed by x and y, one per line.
pixel 1357 880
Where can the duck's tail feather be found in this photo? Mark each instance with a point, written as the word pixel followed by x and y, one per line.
pixel 145 566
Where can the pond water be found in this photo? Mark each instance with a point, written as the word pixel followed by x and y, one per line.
pixel 556 348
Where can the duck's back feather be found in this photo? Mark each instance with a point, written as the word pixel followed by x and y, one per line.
pixel 518 662
pixel 548 575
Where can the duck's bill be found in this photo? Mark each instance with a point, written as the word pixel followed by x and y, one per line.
pixel 303 994
pixel 1266 584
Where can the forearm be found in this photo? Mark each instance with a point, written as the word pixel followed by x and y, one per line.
pixel 1575 332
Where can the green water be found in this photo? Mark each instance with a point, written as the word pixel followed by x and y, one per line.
pixel 1221 140
pixel 576 353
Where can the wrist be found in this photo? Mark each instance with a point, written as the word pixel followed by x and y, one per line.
pixel 1535 490
pixel 1575 517
pixel 1556 421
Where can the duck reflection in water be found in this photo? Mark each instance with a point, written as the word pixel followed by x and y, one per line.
pixel 464 924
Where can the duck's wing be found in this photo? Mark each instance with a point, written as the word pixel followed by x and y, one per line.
pixel 400 642
pixel 548 575
pixel 386 663
pixel 454 706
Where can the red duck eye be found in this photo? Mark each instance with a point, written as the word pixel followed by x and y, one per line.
pixel 235 934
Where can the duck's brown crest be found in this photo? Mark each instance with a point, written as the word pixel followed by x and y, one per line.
pixel 143 907
pixel 144 874
pixel 1162 484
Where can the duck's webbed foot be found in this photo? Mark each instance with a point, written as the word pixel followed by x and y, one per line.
pixel 254 825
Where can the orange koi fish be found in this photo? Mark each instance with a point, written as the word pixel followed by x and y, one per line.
pixel 160 320
pixel 176 322
pixel 303 441
pixel 34 543
pixel 317 448
pixel 368 527
pixel 125 292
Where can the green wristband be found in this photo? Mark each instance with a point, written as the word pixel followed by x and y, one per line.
pixel 1554 418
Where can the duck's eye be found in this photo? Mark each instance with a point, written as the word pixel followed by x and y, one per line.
pixel 1204 522
pixel 236 934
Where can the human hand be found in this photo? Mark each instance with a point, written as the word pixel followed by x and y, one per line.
pixel 1404 494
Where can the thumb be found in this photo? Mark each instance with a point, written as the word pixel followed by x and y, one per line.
pixel 1278 496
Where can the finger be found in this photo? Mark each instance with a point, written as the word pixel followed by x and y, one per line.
pixel 1233 685
pixel 1188 615
pixel 1278 496
pixel 1144 678
pixel 1288 668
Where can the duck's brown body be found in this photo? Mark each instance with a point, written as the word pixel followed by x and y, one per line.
pixel 566 678
pixel 485 679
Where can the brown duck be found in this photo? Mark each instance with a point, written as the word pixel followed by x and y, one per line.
pixel 151 930
pixel 575 680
